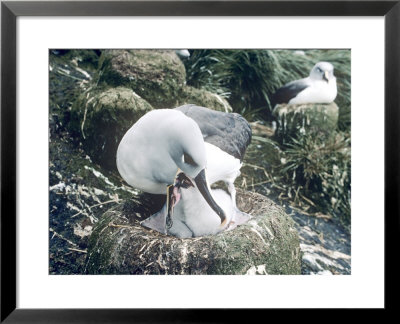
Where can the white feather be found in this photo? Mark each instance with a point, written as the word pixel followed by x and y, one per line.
pixel 193 215
pixel 221 165
pixel 318 92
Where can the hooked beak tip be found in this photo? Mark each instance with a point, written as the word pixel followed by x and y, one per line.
pixel 223 223
pixel 202 185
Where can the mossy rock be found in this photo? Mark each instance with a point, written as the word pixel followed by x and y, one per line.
pixel 267 244
pixel 158 76
pixel 297 120
pixel 101 118
pixel 203 98
pixel 155 75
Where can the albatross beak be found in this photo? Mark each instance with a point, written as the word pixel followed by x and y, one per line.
pixel 326 76
pixel 202 185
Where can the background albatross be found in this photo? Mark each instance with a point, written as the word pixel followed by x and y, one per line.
pixel 318 87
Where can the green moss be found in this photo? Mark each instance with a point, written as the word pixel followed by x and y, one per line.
pixel 190 95
pixel 112 111
pixel 156 75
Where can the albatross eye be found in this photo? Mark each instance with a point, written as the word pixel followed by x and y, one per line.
pixel 188 159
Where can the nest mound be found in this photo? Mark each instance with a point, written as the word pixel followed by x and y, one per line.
pixel 267 244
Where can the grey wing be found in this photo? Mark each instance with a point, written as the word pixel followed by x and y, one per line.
pixel 228 131
pixel 288 92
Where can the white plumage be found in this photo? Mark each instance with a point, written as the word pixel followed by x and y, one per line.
pixel 183 53
pixel 166 143
pixel 152 150
pixel 193 216
pixel 319 87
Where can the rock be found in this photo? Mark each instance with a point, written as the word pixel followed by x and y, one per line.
pixel 318 259
pixel 155 75
pixel 325 244
pixel 158 76
pixel 267 244
pixel 112 111
pixel 128 84
pixel 203 98
pixel 297 120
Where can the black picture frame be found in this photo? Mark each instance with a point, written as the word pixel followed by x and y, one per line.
pixel 10 10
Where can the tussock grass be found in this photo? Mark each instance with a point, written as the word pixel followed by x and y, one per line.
pixel 311 173
pixel 321 169
pixel 248 78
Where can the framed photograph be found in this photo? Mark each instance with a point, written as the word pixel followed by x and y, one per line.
pixel 301 97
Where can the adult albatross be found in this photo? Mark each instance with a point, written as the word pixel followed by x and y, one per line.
pixel 166 142
pixel 318 87
pixel 155 149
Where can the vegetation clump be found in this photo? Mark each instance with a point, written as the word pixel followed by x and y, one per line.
pixel 113 111
pixel 320 169
pixel 120 245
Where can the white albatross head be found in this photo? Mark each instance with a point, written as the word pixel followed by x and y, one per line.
pixel 322 71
